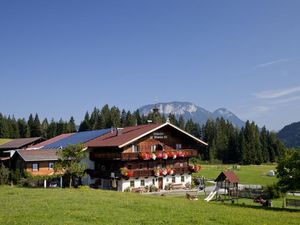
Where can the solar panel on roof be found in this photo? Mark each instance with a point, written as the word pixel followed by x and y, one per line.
pixel 80 137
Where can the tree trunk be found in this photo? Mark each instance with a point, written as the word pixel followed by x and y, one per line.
pixel 70 182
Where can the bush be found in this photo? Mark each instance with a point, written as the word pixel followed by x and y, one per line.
pixel 4 175
pixel 153 188
pixel 15 176
pixel 127 189
pixel 273 191
pixel 168 187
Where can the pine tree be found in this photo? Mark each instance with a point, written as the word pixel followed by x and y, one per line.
pixel 30 123
pixel 52 129
pixel 181 123
pixel 105 116
pixel 85 124
pixel 264 144
pixel 123 118
pixel 115 117
pixel 23 128
pixel 14 129
pixel 36 129
pixel 45 125
pixel 71 125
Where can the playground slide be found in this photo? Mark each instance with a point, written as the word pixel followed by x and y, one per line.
pixel 211 194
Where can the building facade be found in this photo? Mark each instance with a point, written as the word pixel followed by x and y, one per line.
pixel 143 157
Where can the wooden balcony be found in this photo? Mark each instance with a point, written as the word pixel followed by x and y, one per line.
pixel 130 156
pixel 136 172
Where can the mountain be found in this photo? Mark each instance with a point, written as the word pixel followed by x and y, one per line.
pixel 191 111
pixel 290 135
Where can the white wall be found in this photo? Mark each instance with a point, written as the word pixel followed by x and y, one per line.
pixel 123 184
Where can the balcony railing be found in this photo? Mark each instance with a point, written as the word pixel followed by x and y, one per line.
pixel 133 155
pixel 136 172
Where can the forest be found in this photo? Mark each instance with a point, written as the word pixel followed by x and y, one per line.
pixel 227 143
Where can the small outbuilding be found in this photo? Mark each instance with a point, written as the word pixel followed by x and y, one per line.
pixel 229 181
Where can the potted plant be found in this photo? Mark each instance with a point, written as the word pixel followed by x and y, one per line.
pixel 124 171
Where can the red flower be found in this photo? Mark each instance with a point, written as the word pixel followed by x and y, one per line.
pixel 165 155
pixel 159 155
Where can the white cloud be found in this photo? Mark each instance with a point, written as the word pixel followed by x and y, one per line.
pixel 285 100
pixel 267 64
pixel 272 94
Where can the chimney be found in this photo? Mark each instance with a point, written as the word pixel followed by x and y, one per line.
pixel 119 131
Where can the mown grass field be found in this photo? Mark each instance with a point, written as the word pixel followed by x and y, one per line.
pixel 76 206
pixel 4 140
pixel 250 174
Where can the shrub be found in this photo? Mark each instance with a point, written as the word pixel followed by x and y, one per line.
pixel 153 188
pixel 273 191
pixel 127 189
pixel 4 175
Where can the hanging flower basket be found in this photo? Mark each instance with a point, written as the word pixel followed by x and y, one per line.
pixel 171 171
pixel 156 172
pixel 163 172
pixel 153 156
pixel 165 155
pixel 159 155
pixel 172 155
pixel 145 155
pixel 181 154
pixel 126 172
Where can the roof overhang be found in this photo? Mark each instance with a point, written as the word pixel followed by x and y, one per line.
pixel 159 127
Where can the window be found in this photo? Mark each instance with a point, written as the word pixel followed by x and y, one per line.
pixel 35 166
pixel 153 148
pixel 178 146
pixel 132 183
pixel 50 165
pixel 134 148
pixel 182 178
pixel 173 180
pixel 142 183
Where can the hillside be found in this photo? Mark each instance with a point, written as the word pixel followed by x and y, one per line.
pixel 290 135
pixel 191 111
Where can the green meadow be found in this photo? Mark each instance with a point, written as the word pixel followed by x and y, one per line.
pixel 250 174
pixel 4 140
pixel 86 206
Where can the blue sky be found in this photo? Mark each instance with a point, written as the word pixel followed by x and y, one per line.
pixel 61 58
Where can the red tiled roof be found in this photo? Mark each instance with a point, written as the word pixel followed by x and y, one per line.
pixel 38 155
pixel 229 176
pixel 19 143
pixel 127 134
pixel 52 140
pixel 130 134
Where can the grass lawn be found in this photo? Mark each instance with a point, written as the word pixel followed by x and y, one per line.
pixel 252 174
pixel 77 206
pixel 4 140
